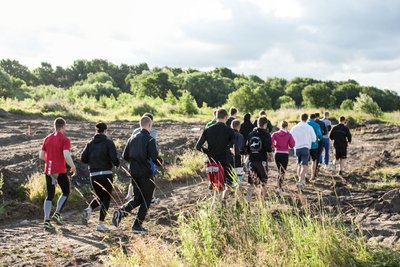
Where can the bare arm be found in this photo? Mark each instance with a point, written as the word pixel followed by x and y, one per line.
pixel 68 159
pixel 42 154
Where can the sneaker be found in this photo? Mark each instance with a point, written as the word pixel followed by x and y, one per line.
pixel 48 226
pixel 155 201
pixel 102 228
pixel 139 230
pixel 117 217
pixel 58 218
pixel 86 216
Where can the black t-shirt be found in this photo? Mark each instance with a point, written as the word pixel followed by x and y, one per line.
pixel 340 134
pixel 258 145
pixel 219 138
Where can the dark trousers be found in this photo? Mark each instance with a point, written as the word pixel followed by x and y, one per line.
pixel 102 185
pixel 63 182
pixel 143 189
pixel 281 160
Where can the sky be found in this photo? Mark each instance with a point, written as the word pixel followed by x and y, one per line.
pixel 322 39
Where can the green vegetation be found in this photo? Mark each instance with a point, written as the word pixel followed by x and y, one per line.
pixel 190 163
pixel 93 89
pixel 386 177
pixel 273 234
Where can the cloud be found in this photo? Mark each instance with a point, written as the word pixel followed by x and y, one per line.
pixel 286 38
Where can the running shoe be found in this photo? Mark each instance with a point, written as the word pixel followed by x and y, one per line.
pixel 155 201
pixel 136 229
pixel 102 228
pixel 117 217
pixel 58 218
pixel 48 226
pixel 86 216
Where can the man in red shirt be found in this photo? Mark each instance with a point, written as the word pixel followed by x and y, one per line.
pixel 55 151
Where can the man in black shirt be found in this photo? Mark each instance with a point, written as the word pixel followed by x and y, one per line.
pixel 219 138
pixel 341 136
pixel 269 124
pixel 259 148
pixel 140 149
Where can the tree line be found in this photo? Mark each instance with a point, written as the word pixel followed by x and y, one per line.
pixel 212 88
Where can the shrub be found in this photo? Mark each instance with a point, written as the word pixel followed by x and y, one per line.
pixel 191 163
pixel 286 102
pixel 187 104
pixel 142 108
pixel 347 104
pixel 53 107
pixel 364 103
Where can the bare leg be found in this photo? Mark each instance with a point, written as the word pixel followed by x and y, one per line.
pixel 303 172
pixel 298 172
pixel 342 164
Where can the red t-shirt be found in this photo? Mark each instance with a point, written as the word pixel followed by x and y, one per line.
pixel 53 145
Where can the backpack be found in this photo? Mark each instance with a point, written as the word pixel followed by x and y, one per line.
pixel 255 144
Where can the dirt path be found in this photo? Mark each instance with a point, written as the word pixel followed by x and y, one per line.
pixel 24 243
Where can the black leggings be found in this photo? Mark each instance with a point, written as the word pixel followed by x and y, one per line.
pixel 63 181
pixel 281 160
pixel 143 189
pixel 103 186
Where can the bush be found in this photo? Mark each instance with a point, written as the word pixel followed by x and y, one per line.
pixel 95 89
pixel 347 104
pixel 140 109
pixel 187 104
pixel 191 163
pixel 286 102
pixel 364 103
pixel 53 107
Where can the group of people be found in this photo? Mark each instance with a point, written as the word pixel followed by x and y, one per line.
pixel 141 154
pixel 235 148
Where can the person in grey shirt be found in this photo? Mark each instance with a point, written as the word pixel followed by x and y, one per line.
pixel 325 141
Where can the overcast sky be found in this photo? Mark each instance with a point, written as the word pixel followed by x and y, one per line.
pixel 324 39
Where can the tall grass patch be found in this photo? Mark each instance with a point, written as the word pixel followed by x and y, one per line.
pixel 272 234
pixel 190 163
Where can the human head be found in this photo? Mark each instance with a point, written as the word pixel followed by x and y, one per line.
pixel 317 115
pixel 262 113
pixel 342 119
pixel 284 125
pixel 326 114
pixel 262 122
pixel 236 125
pixel 247 117
pixel 304 117
pixel 149 115
pixel 233 111
pixel 59 124
pixel 222 115
pixel 146 123
pixel 101 127
pixel 313 116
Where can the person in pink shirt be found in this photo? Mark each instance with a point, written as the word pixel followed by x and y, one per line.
pixel 282 141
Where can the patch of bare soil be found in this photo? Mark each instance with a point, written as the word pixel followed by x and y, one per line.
pixel 24 243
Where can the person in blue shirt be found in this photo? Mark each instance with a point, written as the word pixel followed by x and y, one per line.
pixel 314 146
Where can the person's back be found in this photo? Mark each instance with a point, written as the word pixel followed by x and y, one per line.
pixel 246 127
pixel 340 134
pixel 328 125
pixel 303 135
pixel 100 154
pixel 218 138
pixel 258 145
pixel 54 144
pixel 282 141
pixel 322 126
pixel 140 149
pixel 317 131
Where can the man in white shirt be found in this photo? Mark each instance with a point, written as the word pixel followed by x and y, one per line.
pixel 303 135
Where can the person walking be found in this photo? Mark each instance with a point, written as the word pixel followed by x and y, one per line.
pixel 303 135
pixel 282 141
pixel 315 145
pixel 233 113
pixel 139 150
pixel 56 152
pixel 269 124
pixel 247 126
pixel 259 148
pixel 237 151
pixel 341 137
pixel 326 141
pixel 324 131
pixel 101 155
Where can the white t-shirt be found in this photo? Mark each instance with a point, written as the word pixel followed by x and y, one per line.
pixel 303 135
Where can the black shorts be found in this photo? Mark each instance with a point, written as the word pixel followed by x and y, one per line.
pixel 314 154
pixel 281 160
pixel 258 172
pixel 341 152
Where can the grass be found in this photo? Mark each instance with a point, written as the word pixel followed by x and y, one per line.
pixel 190 163
pixel 273 234
pixel 36 191
pixel 386 177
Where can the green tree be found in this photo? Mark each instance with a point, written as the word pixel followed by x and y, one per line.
pixel 286 102
pixel 318 95
pixel 99 77
pixel 171 98
pixel 6 86
pixel 153 84
pixel 364 103
pixel 249 100
pixel 17 70
pixel 346 91
pixel 187 104
pixel 347 104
